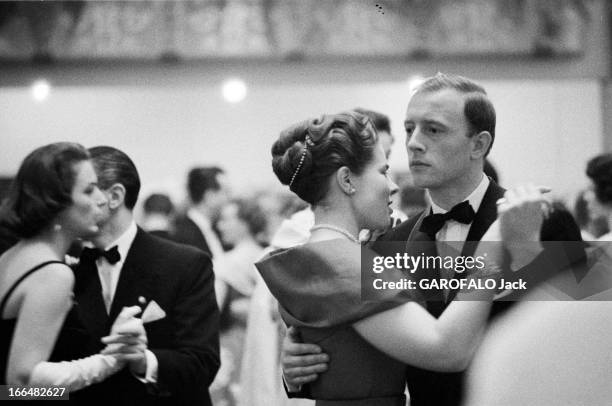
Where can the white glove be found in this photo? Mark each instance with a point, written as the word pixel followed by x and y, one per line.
pixel 77 374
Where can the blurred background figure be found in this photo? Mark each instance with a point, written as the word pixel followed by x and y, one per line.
pixel 383 128
pixel 261 376
pixel 158 214
pixel 242 225
pixel 277 207
pixel 208 193
pixel 591 227
pixel 599 195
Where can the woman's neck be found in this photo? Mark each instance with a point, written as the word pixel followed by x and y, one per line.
pixel 56 241
pixel 335 218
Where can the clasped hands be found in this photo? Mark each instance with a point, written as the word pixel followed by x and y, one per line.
pixel 127 341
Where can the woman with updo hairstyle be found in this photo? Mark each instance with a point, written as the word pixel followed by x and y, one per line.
pixel 599 195
pixel 337 164
pixel 53 200
pixel 318 148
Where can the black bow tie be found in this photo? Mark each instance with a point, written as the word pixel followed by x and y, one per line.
pixel 462 213
pixel 92 254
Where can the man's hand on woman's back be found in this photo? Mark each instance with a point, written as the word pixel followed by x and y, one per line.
pixel 301 362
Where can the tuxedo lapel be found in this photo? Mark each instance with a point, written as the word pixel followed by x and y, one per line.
pixel 486 215
pixel 416 234
pixel 135 279
pixel 424 242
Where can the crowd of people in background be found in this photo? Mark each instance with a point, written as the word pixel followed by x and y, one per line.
pixel 64 193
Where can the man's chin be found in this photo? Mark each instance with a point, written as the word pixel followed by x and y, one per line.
pixel 91 233
pixel 422 182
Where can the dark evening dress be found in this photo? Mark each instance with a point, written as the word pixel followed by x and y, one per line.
pixel 71 343
pixel 319 289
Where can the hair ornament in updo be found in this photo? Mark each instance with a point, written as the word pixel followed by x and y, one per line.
pixel 308 142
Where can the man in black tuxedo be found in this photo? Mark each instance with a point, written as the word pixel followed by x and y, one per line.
pixel 208 193
pixel 450 129
pixel 172 282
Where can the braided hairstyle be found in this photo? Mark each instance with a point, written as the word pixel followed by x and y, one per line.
pixel 308 153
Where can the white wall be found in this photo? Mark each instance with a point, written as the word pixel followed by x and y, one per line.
pixel 546 129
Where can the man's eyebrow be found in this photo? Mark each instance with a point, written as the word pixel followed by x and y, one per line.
pixel 433 121
pixel 426 121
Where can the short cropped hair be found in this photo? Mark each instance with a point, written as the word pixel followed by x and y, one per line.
pixel 114 166
pixel 202 179
pixel 478 109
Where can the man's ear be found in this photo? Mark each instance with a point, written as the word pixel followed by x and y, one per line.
pixel 481 143
pixel 116 196
pixel 343 177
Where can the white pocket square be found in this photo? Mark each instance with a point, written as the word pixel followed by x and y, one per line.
pixel 152 313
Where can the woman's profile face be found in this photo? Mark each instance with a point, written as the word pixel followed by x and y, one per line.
pixel 373 191
pixel 231 227
pixel 82 217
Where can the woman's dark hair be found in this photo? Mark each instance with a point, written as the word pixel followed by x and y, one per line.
pixel 41 189
pixel 310 152
pixel 599 170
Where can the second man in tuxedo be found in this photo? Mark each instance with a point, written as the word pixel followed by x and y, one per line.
pixel 173 284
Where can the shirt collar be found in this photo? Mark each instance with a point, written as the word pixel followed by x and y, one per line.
pixel 124 242
pixel 475 198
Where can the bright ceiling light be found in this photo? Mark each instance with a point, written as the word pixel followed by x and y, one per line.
pixel 234 90
pixel 40 90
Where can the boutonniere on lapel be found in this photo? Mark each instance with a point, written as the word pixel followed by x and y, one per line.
pixel 152 311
